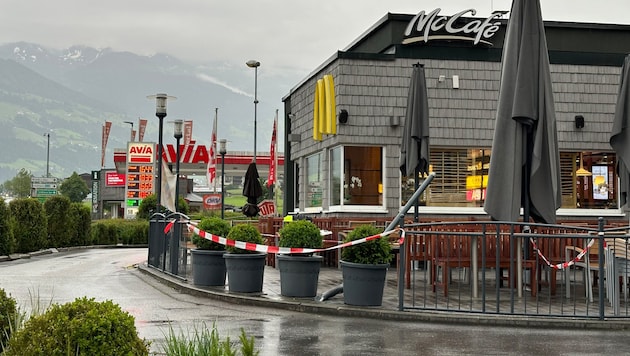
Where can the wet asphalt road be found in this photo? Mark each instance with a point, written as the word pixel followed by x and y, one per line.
pixel 110 274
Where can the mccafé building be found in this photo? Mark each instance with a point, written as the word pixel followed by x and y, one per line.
pixel 344 122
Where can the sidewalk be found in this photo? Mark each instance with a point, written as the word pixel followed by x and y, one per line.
pixel 331 278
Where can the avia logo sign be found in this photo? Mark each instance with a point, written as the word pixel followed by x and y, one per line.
pixel 426 27
pixel 140 152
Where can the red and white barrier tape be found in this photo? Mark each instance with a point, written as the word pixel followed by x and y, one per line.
pixel 284 250
pixel 565 264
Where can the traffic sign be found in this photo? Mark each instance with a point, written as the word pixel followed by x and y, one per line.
pixel 45 192
pixel 44 186
pixel 43 180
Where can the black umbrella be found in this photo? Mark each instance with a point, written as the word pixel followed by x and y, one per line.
pixel 525 163
pixel 414 149
pixel 252 190
pixel 620 135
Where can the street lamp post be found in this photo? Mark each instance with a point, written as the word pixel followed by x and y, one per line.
pixel 47 155
pixel 160 112
pixel 222 152
pixel 177 133
pixel 255 64
pixel 131 135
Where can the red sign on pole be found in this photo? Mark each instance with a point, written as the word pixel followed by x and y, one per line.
pixel 212 201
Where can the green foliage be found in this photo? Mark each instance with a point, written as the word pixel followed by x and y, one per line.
pixel 245 233
pixel 104 232
pixel 377 251
pixel 215 226
pixel 57 210
pixel 205 342
pixel 132 232
pixel 79 232
pixel 30 224
pixel 148 207
pixel 7 240
pixel 75 188
pixel 300 233
pixel 82 327
pixel 8 312
pixel 20 185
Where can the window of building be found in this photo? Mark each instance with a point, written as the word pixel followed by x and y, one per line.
pixel 314 181
pixel 588 179
pixel 356 176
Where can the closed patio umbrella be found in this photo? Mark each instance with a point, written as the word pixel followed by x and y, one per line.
pixel 620 135
pixel 525 164
pixel 414 148
pixel 252 190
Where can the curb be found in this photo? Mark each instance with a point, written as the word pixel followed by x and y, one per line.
pixel 312 306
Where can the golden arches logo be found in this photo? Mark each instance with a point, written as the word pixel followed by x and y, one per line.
pixel 324 110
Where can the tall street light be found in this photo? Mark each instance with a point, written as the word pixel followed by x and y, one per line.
pixel 160 112
pixel 47 155
pixel 254 64
pixel 222 152
pixel 177 133
pixel 132 135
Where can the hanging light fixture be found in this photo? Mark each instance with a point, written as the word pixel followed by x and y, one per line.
pixel 581 172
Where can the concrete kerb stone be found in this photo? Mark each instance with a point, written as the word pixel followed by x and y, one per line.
pixel 313 306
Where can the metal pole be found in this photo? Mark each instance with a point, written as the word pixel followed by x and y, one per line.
pixel 47 155
pixel 255 107
pixel 222 185
pixel 177 154
pixel 158 192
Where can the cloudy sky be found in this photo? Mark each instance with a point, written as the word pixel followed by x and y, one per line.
pixel 293 36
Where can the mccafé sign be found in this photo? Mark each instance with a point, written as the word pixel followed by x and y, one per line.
pixel 432 26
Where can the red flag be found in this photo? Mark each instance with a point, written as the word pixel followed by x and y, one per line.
pixel 211 172
pixel 141 127
pixel 271 178
pixel 188 126
pixel 105 136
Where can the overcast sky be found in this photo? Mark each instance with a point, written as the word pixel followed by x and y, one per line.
pixel 284 35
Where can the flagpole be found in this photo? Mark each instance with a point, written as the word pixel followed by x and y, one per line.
pixel 275 165
pixel 214 143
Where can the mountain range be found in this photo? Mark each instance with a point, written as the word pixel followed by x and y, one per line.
pixel 70 93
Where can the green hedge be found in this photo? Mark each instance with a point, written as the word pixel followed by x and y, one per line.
pixel 29 224
pixel 7 240
pixel 57 210
pixel 114 231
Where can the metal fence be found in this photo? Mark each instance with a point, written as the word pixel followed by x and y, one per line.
pixel 516 268
pixel 168 250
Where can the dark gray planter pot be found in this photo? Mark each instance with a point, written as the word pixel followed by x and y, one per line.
pixel 363 284
pixel 245 271
pixel 208 267
pixel 299 275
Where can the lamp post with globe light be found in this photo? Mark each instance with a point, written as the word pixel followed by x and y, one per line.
pixel 255 64
pixel 160 112
pixel 177 133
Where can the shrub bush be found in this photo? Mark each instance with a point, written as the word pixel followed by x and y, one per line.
pixel 29 224
pixel 377 251
pixel 60 225
pixel 81 217
pixel 300 233
pixel 132 232
pixel 104 232
pixel 148 206
pixel 7 240
pixel 8 312
pixel 82 327
pixel 245 233
pixel 215 226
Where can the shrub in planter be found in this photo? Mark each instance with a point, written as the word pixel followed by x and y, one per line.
pixel 300 233
pixel 377 251
pixel 215 226
pixel 299 273
pixel 364 267
pixel 82 327
pixel 208 265
pixel 245 269
pixel 245 233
